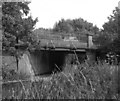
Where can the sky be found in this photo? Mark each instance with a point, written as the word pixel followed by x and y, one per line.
pixel 51 11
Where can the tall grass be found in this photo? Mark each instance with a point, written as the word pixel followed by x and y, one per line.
pixel 83 81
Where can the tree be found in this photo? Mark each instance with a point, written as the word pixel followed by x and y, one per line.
pixel 16 27
pixel 75 26
pixel 63 26
pixel 111 33
pixel 108 39
pixel 113 28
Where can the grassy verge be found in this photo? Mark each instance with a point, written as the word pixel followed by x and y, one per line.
pixel 85 81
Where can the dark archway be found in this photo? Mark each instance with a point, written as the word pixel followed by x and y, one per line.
pixel 56 60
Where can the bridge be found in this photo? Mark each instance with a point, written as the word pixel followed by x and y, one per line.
pixel 54 50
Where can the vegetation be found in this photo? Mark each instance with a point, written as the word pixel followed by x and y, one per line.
pixel 79 81
pixel 85 81
pixel 108 39
pixel 74 26
pixel 17 27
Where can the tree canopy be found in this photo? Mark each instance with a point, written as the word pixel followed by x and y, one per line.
pixel 109 38
pixel 16 27
pixel 74 26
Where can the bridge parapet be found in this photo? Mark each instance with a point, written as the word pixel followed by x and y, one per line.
pixel 83 42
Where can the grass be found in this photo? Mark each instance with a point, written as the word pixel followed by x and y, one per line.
pixel 84 81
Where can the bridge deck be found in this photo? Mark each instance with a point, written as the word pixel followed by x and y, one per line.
pixel 60 43
pixel 64 45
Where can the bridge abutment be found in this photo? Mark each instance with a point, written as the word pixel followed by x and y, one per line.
pixel 45 62
pixel 91 55
pixel 41 62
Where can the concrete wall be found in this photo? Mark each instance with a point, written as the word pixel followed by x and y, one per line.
pixel 24 65
pixel 90 42
pixel 40 62
pixel 91 55
pixel 46 61
pixel 43 62
pixel 34 63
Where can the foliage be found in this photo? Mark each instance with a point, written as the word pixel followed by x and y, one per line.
pixel 109 37
pixel 112 26
pixel 108 40
pixel 17 27
pixel 82 81
pixel 93 81
pixel 16 24
pixel 75 25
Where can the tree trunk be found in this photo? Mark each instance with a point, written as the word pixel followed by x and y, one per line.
pixel 17 60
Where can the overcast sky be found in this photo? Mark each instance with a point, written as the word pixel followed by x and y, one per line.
pixel 51 11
